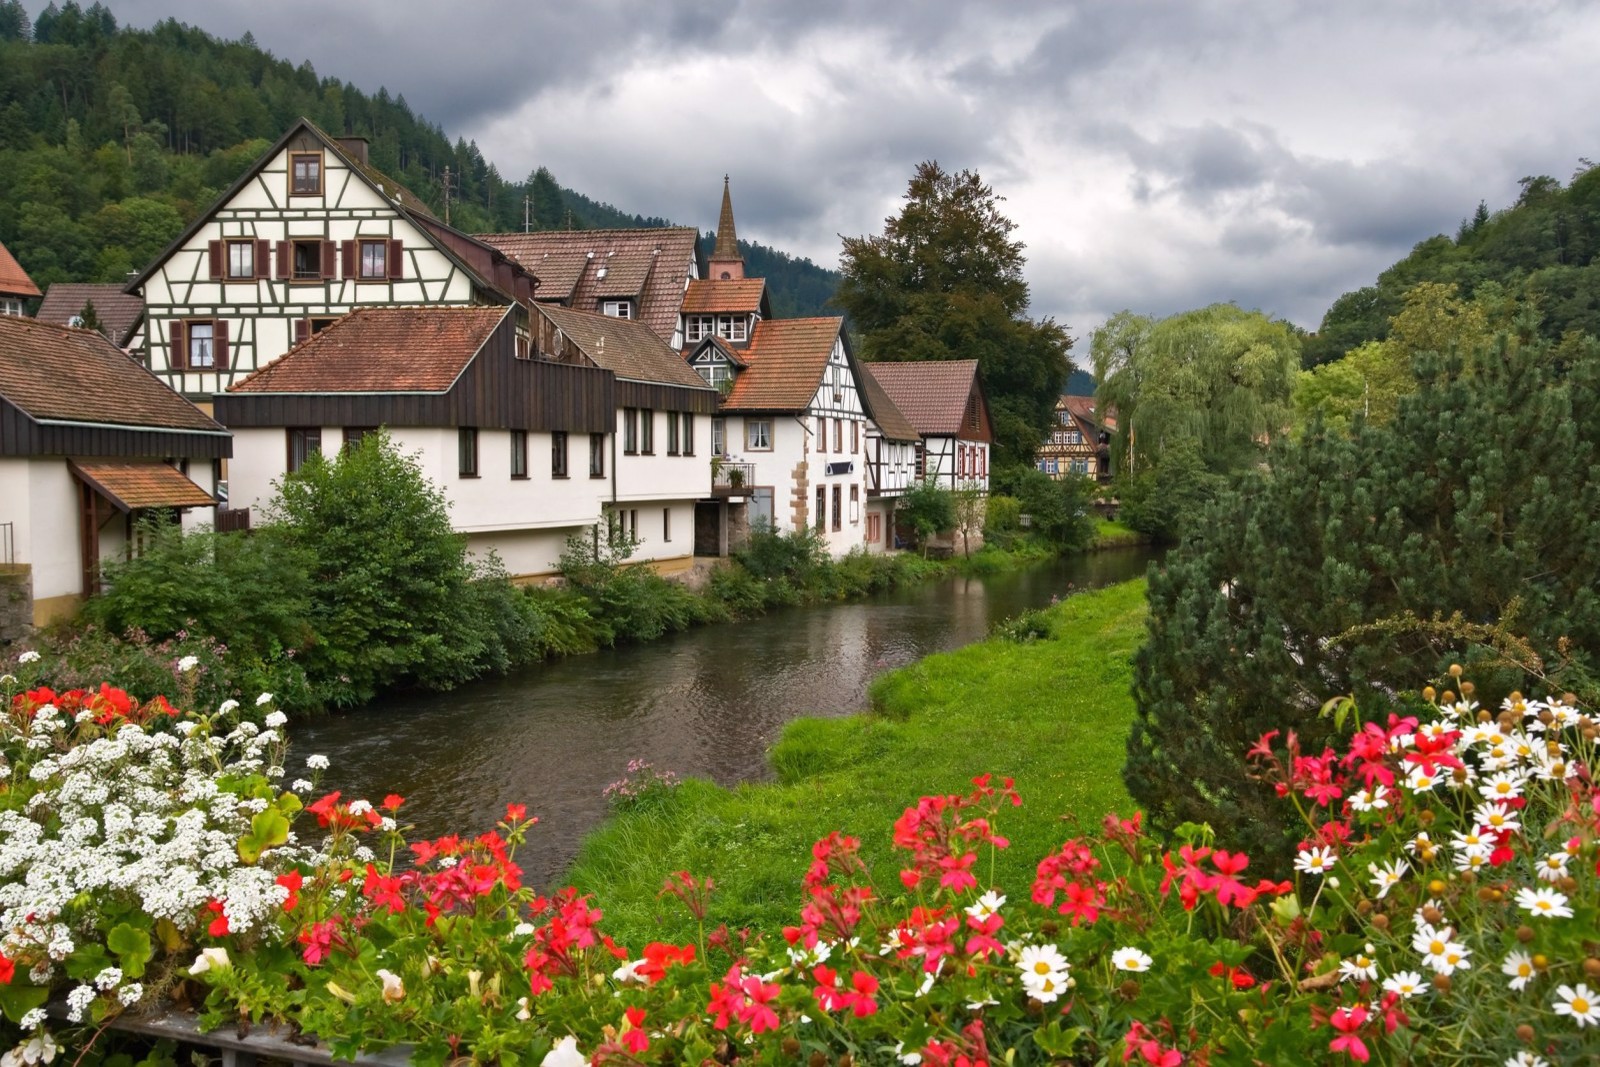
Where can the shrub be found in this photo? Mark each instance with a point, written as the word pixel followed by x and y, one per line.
pixel 1025 627
pixel 1361 565
pixel 1058 510
pixel 929 509
pixel 1004 516
pixel 769 555
pixel 1160 500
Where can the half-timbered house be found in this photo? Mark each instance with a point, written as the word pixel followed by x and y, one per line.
pixel 16 288
pixel 792 426
pixel 944 400
pixel 90 442
pixel 649 471
pixel 892 444
pixel 504 430
pixel 1079 443
pixel 309 232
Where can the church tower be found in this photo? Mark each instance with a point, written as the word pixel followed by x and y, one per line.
pixel 725 262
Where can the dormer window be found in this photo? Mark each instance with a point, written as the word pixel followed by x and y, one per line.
pixel 617 309
pixel 718 375
pixel 305 174
pixel 727 327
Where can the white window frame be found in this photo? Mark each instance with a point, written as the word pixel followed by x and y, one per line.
pixel 381 272
pixel 201 339
pixel 699 327
pixel 241 261
pixel 758 435
pixel 617 309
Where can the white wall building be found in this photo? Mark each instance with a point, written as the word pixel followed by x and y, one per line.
pixel 892 448
pixel 944 401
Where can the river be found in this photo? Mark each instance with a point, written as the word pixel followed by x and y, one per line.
pixel 705 703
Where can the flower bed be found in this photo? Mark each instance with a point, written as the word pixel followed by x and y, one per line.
pixel 1443 907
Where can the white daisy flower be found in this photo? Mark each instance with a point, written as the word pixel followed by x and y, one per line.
pixel 1496 818
pixel 1544 902
pixel 1374 799
pixel 986 905
pixel 1405 984
pixel 1519 968
pixel 1388 876
pixel 1502 785
pixel 1421 780
pixel 1580 1003
pixel 1130 959
pixel 1318 860
pixel 1552 867
pixel 1527 1059
pixel 1359 968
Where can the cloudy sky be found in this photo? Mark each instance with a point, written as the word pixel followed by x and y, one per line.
pixel 1154 155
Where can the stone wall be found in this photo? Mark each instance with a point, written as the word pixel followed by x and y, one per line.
pixel 16 603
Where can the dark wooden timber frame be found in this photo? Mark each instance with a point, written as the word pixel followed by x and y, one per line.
pixel 23 435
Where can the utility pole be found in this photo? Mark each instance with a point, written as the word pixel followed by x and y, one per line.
pixel 447 194
pixel 527 218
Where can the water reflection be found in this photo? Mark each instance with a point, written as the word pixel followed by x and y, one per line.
pixel 705 703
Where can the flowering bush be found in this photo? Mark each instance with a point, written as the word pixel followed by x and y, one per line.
pixel 1443 908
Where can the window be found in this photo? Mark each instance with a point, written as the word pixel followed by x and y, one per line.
pixel 822 508
pixel 855 504
pixel 374 260
pixel 698 327
pixel 241 260
pixel 305 174
pixel 719 437
pixel 617 309
pixel 733 327
pixel 467 449
pixel 721 374
pixel 519 453
pixel 838 435
pixel 758 435
pixel 874 528
pixel 304 442
pixel 630 430
pixel 666 524
pixel 647 431
pixel 597 455
pixel 855 438
pixel 305 264
pixel 672 433
pixel 10 305
pixel 838 492
pixel 633 525
pixel 921 466
pixel 687 419
pixel 202 354
pixel 558 454
pixel 1074 437
pixel 822 434
pixel 354 435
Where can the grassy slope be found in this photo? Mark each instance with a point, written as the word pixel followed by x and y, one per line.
pixel 1054 714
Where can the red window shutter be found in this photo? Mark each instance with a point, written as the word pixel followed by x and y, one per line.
pixel 263 253
pixel 347 253
pixel 178 357
pixel 302 330
pixel 285 249
pixel 395 260
pixel 219 343
pixel 330 259
pixel 215 252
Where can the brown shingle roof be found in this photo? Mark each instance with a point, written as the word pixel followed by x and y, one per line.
pixel 628 349
pixel 150 484
pixel 58 373
pixel 1083 409
pixel 890 419
pixel 14 281
pixel 786 358
pixel 739 295
pixel 118 311
pixel 382 350
pixel 648 265
pixel 932 394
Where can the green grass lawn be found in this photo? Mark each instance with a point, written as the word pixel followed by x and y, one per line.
pixel 1109 533
pixel 1053 714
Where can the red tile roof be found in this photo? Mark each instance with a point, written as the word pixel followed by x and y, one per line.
pixel 933 394
pixel 58 373
pixel 628 349
pixel 118 311
pixel 739 295
pixel 1083 409
pixel 151 484
pixel 14 281
pixel 648 266
pixel 382 350
pixel 890 419
pixel 785 361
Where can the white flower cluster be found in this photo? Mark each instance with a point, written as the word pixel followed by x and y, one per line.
pixel 127 815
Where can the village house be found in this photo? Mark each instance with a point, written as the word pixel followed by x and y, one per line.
pixel 16 288
pixel 121 314
pixel 506 436
pixel 944 401
pixel 90 443
pixel 653 466
pixel 892 446
pixel 310 232
pixel 1079 443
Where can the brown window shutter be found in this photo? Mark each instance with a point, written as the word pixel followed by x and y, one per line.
pixel 330 259
pixel 347 252
pixel 219 343
pixel 263 253
pixel 178 358
pixel 284 251
pixel 214 249
pixel 395 260
pixel 302 330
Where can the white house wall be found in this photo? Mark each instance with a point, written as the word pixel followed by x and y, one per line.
pixel 261 314
pixel 651 483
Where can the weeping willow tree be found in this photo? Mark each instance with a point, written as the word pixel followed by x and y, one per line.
pixel 1214 382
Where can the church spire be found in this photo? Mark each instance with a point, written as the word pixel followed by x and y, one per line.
pixel 725 261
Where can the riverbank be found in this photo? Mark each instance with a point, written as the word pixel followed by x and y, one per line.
pixel 1052 713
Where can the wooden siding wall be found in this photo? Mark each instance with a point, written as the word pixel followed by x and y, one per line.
pixel 496 391
pixel 632 394
pixel 20 435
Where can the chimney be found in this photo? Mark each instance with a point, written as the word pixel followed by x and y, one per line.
pixel 355 148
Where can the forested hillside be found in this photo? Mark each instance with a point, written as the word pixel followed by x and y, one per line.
pixel 1541 251
pixel 111 139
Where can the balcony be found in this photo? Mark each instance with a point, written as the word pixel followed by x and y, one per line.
pixel 732 479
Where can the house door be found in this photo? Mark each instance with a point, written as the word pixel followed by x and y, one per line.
pixel 761 513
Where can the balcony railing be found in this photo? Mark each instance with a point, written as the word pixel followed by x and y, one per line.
pixel 732 479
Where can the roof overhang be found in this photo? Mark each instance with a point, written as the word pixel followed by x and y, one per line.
pixel 132 486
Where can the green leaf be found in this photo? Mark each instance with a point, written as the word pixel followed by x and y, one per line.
pixel 1053 1040
pixel 132 948
pixel 268 829
pixel 17 1000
